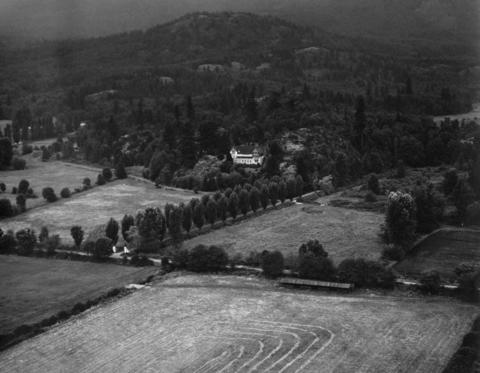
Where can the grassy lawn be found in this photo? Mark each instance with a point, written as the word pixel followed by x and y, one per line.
pixel 55 174
pixel 34 288
pixel 443 251
pixel 345 233
pixel 215 323
pixel 94 207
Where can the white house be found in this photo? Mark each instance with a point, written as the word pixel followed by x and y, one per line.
pixel 247 155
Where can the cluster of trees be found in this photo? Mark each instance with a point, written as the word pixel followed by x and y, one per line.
pixel 313 263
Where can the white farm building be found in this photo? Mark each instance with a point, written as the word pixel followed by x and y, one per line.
pixel 247 155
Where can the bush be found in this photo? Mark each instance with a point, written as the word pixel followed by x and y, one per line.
pixel 140 261
pixel 101 179
pixel 203 259
pixel 65 193
pixel 395 253
pixel 272 264
pixel 430 282
pixel 6 209
pixel 23 186
pixel 473 214
pixel 19 164
pixel 107 174
pixel 316 267
pixel 49 194
pixel 27 148
pixel 450 179
pixel 7 243
pixel 52 244
pixel 365 273
pixel 21 202
pixel 373 184
pixel 26 240
pixel 103 248
pixel 370 197
pixel 77 234
pixel 14 190
pixel 87 183
pixel 3 187
pixel 120 171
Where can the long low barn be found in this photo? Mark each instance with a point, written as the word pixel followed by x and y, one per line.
pixel 315 283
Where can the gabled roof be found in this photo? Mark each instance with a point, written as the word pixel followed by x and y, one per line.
pixel 245 149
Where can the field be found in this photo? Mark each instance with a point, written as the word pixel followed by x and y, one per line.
pixel 230 324
pixel 345 233
pixel 55 174
pixel 34 288
pixel 443 251
pixel 94 207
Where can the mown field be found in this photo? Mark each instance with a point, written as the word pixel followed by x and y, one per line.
pixel 55 174
pixel 230 324
pixel 345 233
pixel 94 207
pixel 443 252
pixel 35 288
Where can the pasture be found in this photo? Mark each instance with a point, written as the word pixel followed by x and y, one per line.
pixel 345 233
pixel 94 207
pixel 35 288
pixel 231 324
pixel 443 251
pixel 55 174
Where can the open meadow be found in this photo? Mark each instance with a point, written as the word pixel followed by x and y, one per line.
pixel 345 233
pixel 234 324
pixel 443 251
pixel 54 174
pixel 94 207
pixel 35 288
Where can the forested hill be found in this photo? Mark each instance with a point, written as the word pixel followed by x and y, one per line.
pixel 431 19
pixel 54 77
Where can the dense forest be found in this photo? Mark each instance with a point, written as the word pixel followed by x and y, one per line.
pixel 165 97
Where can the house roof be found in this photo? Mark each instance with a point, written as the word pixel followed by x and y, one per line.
pixel 245 149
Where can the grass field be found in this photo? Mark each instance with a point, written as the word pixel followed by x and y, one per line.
pixel 34 288
pixel 94 207
pixel 345 233
pixel 55 174
pixel 228 324
pixel 443 251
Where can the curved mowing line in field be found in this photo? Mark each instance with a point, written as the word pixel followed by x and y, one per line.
pixel 299 356
pixel 268 329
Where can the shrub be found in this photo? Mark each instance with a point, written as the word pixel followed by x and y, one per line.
pixel 473 214
pixel 14 190
pixel 19 164
pixel 365 273
pixel 3 187
pixel 103 248
pixel 52 244
pixel 253 259
pixel 272 264
pixel 43 236
pixel 107 174
pixel 78 308
pixel 313 247
pixel 111 231
pixel 373 184
pixel 89 247
pixel 49 194
pixel 26 148
pixel 395 253
pixel 7 243
pixel 203 259
pixel 120 171
pixel 430 282
pixel 23 186
pixel 450 179
pixel 6 209
pixel 77 234
pixel 316 267
pixel 467 287
pixel 65 193
pixel 127 222
pixel 21 202
pixel 30 193
pixel 370 197
pixel 400 218
pixel 140 261
pixel 26 240
pixel 180 258
pixel 151 245
pixel 101 179
pixel 87 183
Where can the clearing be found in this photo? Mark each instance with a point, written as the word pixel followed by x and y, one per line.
pixel 94 207
pixel 35 288
pixel 443 251
pixel 345 233
pixel 233 324
pixel 55 174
